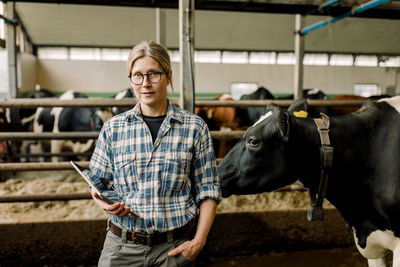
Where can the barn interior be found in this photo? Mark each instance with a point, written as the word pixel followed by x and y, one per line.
pixel 346 48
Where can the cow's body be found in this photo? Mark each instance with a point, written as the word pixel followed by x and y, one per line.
pixel 364 182
pixel 5 148
pixel 69 120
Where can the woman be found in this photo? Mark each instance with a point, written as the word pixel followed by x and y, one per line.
pixel 160 160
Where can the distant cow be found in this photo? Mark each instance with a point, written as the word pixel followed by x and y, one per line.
pixel 5 148
pixel 69 120
pixel 364 180
pixel 250 115
pixel 27 115
pixel 126 93
pixel 313 94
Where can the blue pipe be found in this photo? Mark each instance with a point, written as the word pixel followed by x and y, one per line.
pixel 359 9
pixel 329 3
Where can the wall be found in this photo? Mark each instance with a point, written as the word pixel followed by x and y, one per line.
pixel 28 72
pixel 111 76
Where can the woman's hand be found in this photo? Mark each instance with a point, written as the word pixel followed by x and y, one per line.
pixel 189 249
pixel 117 209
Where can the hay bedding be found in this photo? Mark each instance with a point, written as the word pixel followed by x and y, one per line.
pixel 61 182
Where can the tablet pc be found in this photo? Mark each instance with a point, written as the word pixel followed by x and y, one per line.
pixel 80 170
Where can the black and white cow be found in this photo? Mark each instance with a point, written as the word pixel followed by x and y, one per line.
pixel 26 115
pixel 363 184
pixel 126 93
pixel 60 119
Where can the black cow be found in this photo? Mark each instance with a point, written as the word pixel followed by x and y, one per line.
pixel 364 181
pixel 313 94
pixel 69 120
pixel 250 115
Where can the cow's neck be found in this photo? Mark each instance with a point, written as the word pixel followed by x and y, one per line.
pixel 350 138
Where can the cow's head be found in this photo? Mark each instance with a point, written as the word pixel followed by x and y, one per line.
pixel 260 161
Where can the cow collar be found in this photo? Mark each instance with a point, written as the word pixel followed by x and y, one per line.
pixel 316 212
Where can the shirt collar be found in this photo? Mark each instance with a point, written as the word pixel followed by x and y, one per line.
pixel 173 112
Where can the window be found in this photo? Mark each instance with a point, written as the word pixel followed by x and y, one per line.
pixel 235 57
pixel 316 59
pixel 389 61
pixel 84 54
pixel 341 60
pixel 207 56
pixel 371 61
pixel 239 89
pixel 262 58
pixel 111 54
pixel 2 26
pixel 286 59
pixel 174 55
pixel 366 90
pixel 53 53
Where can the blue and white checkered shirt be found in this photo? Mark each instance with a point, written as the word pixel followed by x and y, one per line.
pixel 163 183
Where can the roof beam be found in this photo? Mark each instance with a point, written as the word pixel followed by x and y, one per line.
pixel 388 11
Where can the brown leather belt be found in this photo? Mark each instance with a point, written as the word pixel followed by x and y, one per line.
pixel 183 232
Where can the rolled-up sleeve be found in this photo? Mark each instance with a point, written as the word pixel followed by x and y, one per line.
pixel 205 175
pixel 101 167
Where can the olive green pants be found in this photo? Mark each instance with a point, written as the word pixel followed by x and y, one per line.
pixel 121 252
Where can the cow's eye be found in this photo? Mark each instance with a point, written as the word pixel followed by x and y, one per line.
pixel 253 142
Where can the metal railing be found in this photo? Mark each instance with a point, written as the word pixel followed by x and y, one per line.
pixel 40 166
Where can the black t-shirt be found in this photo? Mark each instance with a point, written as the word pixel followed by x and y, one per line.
pixel 154 124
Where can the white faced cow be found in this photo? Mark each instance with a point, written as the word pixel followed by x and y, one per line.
pixel 364 181
pixel 69 120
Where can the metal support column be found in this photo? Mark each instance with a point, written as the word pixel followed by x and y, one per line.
pixel 186 48
pixel 160 26
pixel 11 51
pixel 299 52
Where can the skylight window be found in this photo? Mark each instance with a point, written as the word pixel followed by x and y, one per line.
pixel 389 62
pixel 371 61
pixel 53 53
pixel 262 58
pixel 341 60
pixel 316 59
pixel 235 57
pixel 85 54
pixel 174 55
pixel 207 56
pixel 286 59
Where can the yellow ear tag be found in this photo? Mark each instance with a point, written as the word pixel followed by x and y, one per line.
pixel 300 114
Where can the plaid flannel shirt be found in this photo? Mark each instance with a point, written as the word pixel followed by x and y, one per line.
pixel 162 183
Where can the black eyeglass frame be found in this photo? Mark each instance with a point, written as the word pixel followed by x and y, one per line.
pixel 147 74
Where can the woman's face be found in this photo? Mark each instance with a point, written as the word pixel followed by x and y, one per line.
pixel 151 95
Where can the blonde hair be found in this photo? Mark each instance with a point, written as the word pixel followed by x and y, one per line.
pixel 154 50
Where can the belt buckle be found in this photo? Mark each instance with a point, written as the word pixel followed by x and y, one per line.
pixel 133 237
pixel 148 237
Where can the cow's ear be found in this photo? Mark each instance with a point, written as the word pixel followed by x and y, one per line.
pixel 298 106
pixel 284 124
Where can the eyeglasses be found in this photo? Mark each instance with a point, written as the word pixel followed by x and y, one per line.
pixel 153 77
